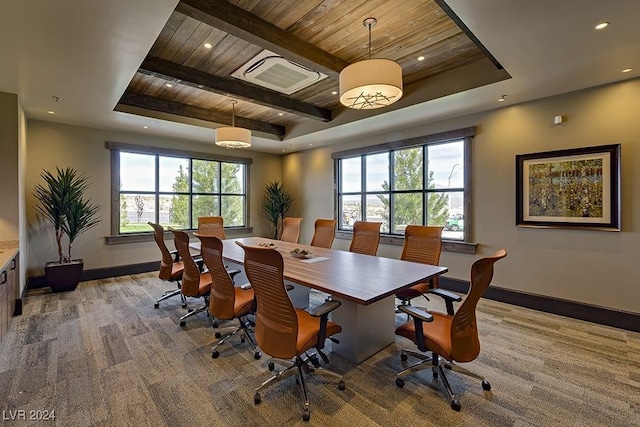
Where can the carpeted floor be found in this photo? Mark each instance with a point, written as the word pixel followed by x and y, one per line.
pixel 102 355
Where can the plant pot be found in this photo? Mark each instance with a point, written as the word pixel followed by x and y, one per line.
pixel 63 277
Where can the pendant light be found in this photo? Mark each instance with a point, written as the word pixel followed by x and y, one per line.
pixel 371 83
pixel 233 137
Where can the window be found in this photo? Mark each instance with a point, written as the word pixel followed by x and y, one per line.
pixel 422 181
pixel 174 188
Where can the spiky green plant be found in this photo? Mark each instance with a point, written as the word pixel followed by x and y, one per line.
pixel 61 201
pixel 276 203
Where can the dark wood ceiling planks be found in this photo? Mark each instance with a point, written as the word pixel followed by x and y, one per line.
pixel 329 32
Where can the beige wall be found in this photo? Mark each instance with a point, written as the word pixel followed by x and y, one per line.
pixel 9 136
pixel 50 145
pixel 593 267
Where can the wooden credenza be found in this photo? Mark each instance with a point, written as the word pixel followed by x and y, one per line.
pixel 8 290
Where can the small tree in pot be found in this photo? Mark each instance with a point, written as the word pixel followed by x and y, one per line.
pixel 61 201
pixel 275 205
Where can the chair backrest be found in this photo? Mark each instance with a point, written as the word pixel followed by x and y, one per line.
pixel 191 273
pixel 366 237
pixel 291 229
pixel 325 232
pixel 465 345
pixel 423 244
pixel 211 226
pixel 223 294
pixel 276 328
pixel 166 263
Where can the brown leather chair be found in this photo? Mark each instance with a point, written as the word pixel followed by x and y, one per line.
pixel 451 336
pixel 291 229
pixel 211 226
pixel 366 238
pixel 195 283
pixel 325 232
pixel 171 267
pixel 226 301
pixel 423 244
pixel 282 331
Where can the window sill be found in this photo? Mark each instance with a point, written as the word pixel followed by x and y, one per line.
pixel 148 237
pixel 447 245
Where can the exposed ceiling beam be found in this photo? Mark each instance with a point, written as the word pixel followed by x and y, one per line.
pixel 238 22
pixel 236 88
pixel 157 104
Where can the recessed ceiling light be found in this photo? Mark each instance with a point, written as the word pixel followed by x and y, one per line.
pixel 420 58
pixel 502 98
pixel 146 127
pixel 602 25
pixel 627 70
pixel 334 93
pixel 310 145
pixel 169 85
pixel 208 45
pixel 280 114
pixel 284 150
pixel 51 112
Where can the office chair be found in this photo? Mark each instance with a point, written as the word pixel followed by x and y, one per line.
pixel 171 267
pixel 422 244
pixel 284 332
pixel 211 226
pixel 291 229
pixel 325 232
pixel 227 302
pixel 451 336
pixel 366 238
pixel 195 283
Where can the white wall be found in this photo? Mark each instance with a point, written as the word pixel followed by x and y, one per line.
pixel 593 267
pixel 51 144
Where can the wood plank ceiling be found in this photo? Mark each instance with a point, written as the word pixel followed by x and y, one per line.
pixel 184 79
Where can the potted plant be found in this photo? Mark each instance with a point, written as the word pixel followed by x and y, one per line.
pixel 275 205
pixel 61 200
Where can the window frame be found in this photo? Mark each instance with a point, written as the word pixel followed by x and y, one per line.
pixel 117 147
pixel 466 135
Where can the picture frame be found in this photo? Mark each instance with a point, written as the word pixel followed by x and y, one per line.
pixel 571 188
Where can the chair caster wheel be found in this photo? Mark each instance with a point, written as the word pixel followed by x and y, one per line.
pixel 257 355
pixel 215 354
pixel 184 305
pixel 217 335
pixel 341 385
pixel 190 310
pixel 447 366
pixel 183 323
pixel 242 340
pixel 215 324
pixel 403 357
pixel 256 398
pixel 306 415
pixel 156 305
pixel 455 405
pixel 400 382
pixel 485 385
pixel 271 366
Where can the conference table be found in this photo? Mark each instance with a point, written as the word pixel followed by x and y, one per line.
pixel 365 285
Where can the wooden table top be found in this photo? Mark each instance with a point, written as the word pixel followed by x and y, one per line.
pixel 362 279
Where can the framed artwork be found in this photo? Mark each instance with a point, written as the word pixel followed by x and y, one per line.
pixel 574 188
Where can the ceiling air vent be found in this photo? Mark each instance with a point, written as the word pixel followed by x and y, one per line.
pixel 272 71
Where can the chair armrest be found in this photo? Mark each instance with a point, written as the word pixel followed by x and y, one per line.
pixel 289 287
pixel 416 313
pixel 245 287
pixel 449 298
pixel 322 311
pixel 324 308
pixel 176 256
pixel 419 317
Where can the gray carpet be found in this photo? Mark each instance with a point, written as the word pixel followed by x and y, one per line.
pixel 102 355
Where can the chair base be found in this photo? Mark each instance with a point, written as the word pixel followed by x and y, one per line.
pixel 193 312
pixel 245 335
pixel 438 366
pixel 168 294
pixel 300 366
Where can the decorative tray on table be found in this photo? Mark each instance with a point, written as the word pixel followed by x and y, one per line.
pixel 301 253
pixel 269 245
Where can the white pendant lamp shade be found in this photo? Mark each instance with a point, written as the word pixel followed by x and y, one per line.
pixel 371 83
pixel 233 137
